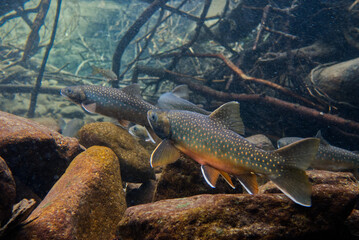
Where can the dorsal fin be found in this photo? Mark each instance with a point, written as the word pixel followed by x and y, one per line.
pixel 228 115
pixel 133 90
pixel 181 91
pixel 322 140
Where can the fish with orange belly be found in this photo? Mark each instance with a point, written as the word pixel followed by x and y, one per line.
pixel 215 142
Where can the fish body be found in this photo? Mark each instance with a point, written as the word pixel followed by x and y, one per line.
pixel 328 157
pixel 213 141
pixel 72 127
pixel 107 73
pixel 177 99
pixel 122 104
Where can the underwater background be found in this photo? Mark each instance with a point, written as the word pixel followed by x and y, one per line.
pixel 76 172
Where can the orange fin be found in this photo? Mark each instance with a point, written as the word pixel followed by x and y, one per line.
pixel 210 174
pixel 249 182
pixel 227 178
pixel 124 123
pixel 164 153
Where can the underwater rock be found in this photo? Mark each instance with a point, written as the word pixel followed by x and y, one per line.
pixel 183 178
pixel 134 159
pixel 51 123
pixel 352 223
pixel 7 191
pixel 72 111
pixel 339 81
pixel 140 195
pixel 35 154
pixel 86 203
pixel 261 141
pixel 243 216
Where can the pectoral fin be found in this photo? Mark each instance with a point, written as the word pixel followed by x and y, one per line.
pixel 124 123
pixel 164 153
pixel 249 182
pixel 89 107
pixel 210 174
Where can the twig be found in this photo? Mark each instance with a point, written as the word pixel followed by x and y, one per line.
pixel 37 87
pixel 130 34
pixel 306 112
pixel 34 38
pixel 242 75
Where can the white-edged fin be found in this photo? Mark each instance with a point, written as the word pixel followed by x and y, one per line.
pixel 181 91
pixel 295 184
pixel 133 90
pixel 153 136
pixel 299 154
pixel 90 107
pixel 322 140
pixel 229 116
pixel 149 139
pixel 227 178
pixel 249 182
pixel 164 153
pixel 210 174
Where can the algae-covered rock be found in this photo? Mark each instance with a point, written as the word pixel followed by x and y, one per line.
pixel 35 154
pixel 183 178
pixel 7 191
pixel 134 159
pixel 243 216
pixel 86 202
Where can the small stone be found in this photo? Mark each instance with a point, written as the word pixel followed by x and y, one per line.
pixel 34 153
pixel 72 111
pixel 244 216
pixel 134 159
pixel 7 191
pixel 183 178
pixel 261 141
pixel 86 203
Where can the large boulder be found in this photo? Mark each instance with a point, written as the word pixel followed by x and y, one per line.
pixel 35 154
pixel 134 159
pixel 243 216
pixel 86 202
pixel 7 191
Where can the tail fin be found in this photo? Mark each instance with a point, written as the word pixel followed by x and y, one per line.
pixel 293 181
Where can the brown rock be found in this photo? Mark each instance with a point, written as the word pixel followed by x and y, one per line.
pixel 184 178
pixel 338 81
pixel 37 155
pixel 7 191
pixel 243 216
pixel 86 203
pixel 261 141
pixel 134 159
pixel 352 223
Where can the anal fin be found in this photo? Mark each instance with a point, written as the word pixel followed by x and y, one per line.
pixel 164 153
pixel 249 182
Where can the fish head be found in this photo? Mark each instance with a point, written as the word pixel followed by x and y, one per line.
pixel 76 94
pixel 159 122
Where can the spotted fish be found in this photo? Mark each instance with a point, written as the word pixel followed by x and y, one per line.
pixel 328 157
pixel 107 73
pixel 215 142
pixel 126 104
pixel 177 99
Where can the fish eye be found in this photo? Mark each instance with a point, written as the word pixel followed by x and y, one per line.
pixel 135 128
pixel 154 117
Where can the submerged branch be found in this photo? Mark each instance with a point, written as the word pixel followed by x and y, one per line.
pixel 130 34
pixel 305 112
